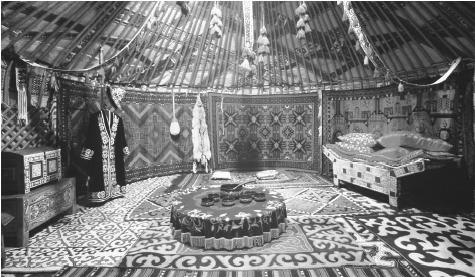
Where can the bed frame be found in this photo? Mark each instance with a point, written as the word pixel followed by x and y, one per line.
pixel 386 180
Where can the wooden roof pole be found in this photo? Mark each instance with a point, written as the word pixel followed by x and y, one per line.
pixel 174 72
pixel 229 30
pixel 370 7
pixel 238 52
pixel 167 43
pixel 297 57
pixel 210 80
pixel 68 8
pixel 374 30
pixel 206 19
pixel 334 34
pixel 66 51
pixel 54 39
pixel 150 71
pixel 325 27
pixel 274 46
pixel 351 49
pixel 35 22
pixel 188 53
pixel 443 26
pixel 93 40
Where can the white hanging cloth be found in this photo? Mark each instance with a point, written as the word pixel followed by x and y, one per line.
pixel 199 134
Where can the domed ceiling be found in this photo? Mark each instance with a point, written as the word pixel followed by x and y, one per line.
pixel 171 43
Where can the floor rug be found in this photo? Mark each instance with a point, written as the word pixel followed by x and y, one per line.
pixel 156 203
pixel 93 236
pixel 308 243
pixel 439 245
pixel 402 270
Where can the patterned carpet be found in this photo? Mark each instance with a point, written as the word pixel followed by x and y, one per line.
pixel 402 269
pixel 439 245
pixel 340 231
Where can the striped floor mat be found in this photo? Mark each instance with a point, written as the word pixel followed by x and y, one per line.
pixel 402 270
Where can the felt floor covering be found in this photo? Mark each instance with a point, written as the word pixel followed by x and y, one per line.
pixel 326 236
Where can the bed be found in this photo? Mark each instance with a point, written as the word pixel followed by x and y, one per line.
pixel 377 172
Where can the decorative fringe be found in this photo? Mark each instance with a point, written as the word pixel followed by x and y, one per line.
pixel 307 28
pixel 263 30
pixel 263 40
pixel 245 65
pixel 20 76
pixel 263 49
pixel 300 10
pixel 366 60
pixel 345 17
pixel 301 34
pixel 300 23
pixel 216 11
pixel 400 87
pixel 216 21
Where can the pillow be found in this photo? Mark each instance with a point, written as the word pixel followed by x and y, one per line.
pixel 394 153
pixel 267 174
pixel 354 148
pixel 363 139
pixel 414 140
pixel 221 175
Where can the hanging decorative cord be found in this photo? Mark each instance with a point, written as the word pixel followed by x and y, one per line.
pixel 108 61
pixel 216 24
pixel 371 55
pixel 303 26
pixel 247 52
pixel 174 125
pixel 262 41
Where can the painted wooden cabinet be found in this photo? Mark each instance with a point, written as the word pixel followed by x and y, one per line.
pixel 36 207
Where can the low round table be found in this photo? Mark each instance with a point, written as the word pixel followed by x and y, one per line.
pixel 222 227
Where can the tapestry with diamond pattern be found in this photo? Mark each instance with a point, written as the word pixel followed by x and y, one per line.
pixel 264 131
pixel 147 117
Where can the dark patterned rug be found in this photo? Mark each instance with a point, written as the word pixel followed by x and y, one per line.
pixel 402 270
pixel 307 243
pixel 439 245
pixel 262 131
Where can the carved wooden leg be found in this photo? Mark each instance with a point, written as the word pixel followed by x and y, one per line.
pixel 336 182
pixel 394 192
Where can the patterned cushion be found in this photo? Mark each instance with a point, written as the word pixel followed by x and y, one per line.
pixel 414 140
pixel 354 148
pixel 363 139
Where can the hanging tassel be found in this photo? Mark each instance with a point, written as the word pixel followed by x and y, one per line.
pixel 350 30
pixel 20 76
pixel 306 18
pixel 339 2
pixel 263 49
pixel 304 7
pixel 400 87
pixel 245 65
pixel 300 23
pixel 300 10
pixel 307 28
pixel 215 21
pixel 216 11
pixel 263 40
pixel 263 30
pixel 260 58
pixel 357 46
pixel 366 60
pixel 345 17
pixel 301 34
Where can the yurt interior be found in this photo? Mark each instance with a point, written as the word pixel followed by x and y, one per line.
pixel 238 138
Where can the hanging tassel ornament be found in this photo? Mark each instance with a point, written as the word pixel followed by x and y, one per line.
pixel 357 46
pixel 20 78
pixel 245 65
pixel 400 87
pixel 216 24
pixel 307 28
pixel 301 34
pixel 174 125
pixel 366 60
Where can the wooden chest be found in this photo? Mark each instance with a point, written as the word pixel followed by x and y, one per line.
pixel 29 168
pixel 40 205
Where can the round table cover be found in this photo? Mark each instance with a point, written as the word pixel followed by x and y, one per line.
pixel 221 227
